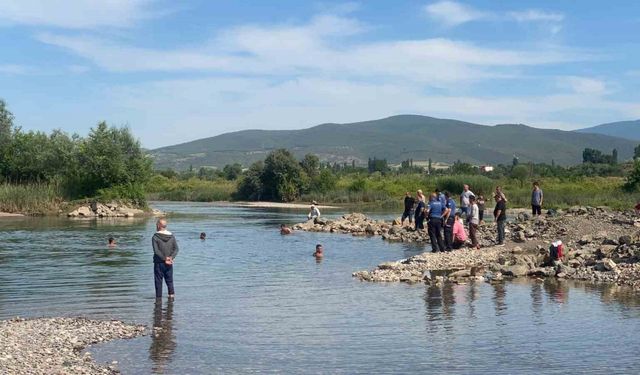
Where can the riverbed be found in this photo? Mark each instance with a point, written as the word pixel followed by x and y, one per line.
pixel 250 300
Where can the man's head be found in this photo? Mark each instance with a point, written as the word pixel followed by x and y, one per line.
pixel 433 197
pixel 408 194
pixel 457 215
pixel 536 185
pixel 203 235
pixel 112 240
pixel 419 192
pixel 438 191
pixel 465 187
pixel 498 197
pixel 319 248
pixel 282 226
pixel 447 194
pixel 472 199
pixel 161 224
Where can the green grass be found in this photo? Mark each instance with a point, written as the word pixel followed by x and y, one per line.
pixel 33 199
pixel 195 190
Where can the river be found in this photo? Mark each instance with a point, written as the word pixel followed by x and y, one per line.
pixel 249 300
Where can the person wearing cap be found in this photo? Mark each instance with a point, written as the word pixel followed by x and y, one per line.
pixel 473 218
pixel 441 197
pixel 500 217
pixel 314 212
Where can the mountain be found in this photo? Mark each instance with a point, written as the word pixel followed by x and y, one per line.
pixel 395 138
pixel 622 129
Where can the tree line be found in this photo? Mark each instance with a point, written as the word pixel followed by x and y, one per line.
pixel 108 162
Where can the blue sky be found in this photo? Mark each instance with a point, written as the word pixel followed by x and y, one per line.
pixel 178 71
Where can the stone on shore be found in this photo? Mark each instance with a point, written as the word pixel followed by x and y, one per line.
pixel 55 345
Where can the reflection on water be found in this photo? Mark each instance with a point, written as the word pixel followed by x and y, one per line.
pixel 250 300
pixel 163 340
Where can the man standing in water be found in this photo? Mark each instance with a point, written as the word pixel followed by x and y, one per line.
pixel 165 249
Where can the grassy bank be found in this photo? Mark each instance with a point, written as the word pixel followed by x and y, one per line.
pixel 161 188
pixel 33 199
pixel 387 191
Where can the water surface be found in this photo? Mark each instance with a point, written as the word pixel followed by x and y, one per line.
pixel 250 300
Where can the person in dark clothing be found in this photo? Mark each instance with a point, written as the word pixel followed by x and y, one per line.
pixel 419 222
pixel 409 202
pixel 435 212
pixel 165 250
pixel 449 219
pixel 500 216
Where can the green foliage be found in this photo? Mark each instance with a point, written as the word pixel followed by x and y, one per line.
pixel 250 186
pixel 594 156
pixel 35 199
pixel 521 173
pixel 632 182
pixel 378 165
pixel 454 184
pixel 463 168
pixel 282 178
pixel 636 152
pixel 193 189
pixel 311 165
pixel 324 182
pixel 232 171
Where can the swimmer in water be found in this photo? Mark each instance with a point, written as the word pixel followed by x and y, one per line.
pixel 112 242
pixel 285 229
pixel 318 253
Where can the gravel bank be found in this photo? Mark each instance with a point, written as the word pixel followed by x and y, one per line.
pixel 600 246
pixel 55 345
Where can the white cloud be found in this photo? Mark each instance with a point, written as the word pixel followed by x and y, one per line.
pixel 451 13
pixel 75 14
pixel 584 85
pixel 534 15
pixel 321 47
pixel 13 69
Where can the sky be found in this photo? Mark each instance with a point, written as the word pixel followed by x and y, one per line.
pixel 179 71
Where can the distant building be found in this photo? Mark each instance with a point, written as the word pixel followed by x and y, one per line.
pixel 486 168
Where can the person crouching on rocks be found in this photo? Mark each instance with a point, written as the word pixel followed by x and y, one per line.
pixel 319 252
pixel 314 212
pixel 459 235
pixel 165 250
pixel 474 219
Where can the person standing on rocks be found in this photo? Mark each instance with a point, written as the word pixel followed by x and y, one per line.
pixel 419 215
pixel 435 212
pixel 481 202
pixel 409 202
pixel 464 199
pixel 314 212
pixel 537 197
pixel 500 217
pixel 474 219
pixel 165 250
pixel 449 218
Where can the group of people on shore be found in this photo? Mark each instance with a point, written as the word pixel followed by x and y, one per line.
pixel 445 224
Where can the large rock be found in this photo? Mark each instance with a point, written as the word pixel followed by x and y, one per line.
pixel 515 270
pixel 84 211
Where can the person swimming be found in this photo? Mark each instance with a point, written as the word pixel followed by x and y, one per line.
pixel 285 229
pixel 112 242
pixel 203 236
pixel 319 251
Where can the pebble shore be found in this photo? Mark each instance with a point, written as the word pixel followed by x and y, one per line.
pixel 55 345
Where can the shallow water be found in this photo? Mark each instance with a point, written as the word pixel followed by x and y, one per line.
pixel 250 300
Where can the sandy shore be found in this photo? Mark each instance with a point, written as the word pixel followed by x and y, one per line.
pixel 55 345
pixel 280 205
pixel 7 214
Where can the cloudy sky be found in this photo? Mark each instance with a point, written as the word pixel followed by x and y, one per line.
pixel 178 71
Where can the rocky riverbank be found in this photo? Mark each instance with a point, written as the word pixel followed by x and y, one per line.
pixel 55 345
pixel 110 210
pixel 600 246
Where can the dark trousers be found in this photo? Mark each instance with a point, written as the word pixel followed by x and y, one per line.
pixel 163 271
pixel 435 234
pixel 448 234
pixel 419 222
pixel 536 210
pixel 501 231
pixel 473 228
pixel 407 214
pixel 481 215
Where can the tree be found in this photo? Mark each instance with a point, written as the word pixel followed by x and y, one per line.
pixel 311 165
pixel 636 152
pixel 614 156
pixel 282 178
pixel 520 173
pixel 232 171
pixel 633 179
pixel 250 186
pixel 6 129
